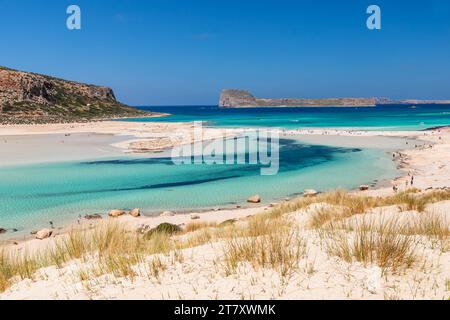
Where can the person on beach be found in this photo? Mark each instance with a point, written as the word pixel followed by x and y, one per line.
pixel 412 181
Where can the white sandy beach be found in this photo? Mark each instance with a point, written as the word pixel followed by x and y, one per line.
pixel 200 276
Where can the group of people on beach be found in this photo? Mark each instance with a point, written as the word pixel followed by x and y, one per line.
pixel 408 182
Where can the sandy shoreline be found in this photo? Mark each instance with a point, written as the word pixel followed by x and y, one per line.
pixel 413 158
pixel 425 157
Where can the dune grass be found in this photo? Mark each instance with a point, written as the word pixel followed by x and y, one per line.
pixel 197 225
pixel 267 240
pixel 434 226
pixel 281 251
pixel 383 242
pixel 357 203
pixel 113 247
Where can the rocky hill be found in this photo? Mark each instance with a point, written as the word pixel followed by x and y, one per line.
pixel 234 98
pixel 34 98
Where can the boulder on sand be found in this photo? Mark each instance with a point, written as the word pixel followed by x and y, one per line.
pixel 135 212
pixel 116 213
pixel 95 216
pixel 195 217
pixel 163 228
pixel 44 234
pixel 364 187
pixel 2 230
pixel 167 214
pixel 310 193
pixel 254 199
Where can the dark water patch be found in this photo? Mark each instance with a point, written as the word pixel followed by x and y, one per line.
pixel 146 187
pixel 149 161
pixel 292 154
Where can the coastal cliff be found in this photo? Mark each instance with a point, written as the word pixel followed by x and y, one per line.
pixel 34 98
pixel 235 98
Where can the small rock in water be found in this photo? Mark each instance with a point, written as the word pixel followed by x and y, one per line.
pixel 44 234
pixel 310 193
pixel 2 230
pixel 95 216
pixel 135 213
pixel 363 187
pixel 254 199
pixel 116 213
pixel 167 214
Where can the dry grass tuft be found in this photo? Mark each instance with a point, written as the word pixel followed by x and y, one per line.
pixel 356 204
pixel 114 249
pixel 197 225
pixel 372 241
pixel 326 214
pixel 156 267
pixel 280 251
pixel 434 226
pixel 267 240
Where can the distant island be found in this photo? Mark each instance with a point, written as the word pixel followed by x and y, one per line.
pixel 235 98
pixel 28 98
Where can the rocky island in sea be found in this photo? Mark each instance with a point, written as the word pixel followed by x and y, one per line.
pixel 236 98
pixel 34 98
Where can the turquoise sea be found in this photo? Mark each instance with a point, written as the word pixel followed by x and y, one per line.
pixel 386 117
pixel 33 195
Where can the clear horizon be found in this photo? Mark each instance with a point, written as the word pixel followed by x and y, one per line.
pixel 162 53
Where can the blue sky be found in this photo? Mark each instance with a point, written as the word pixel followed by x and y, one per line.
pixel 167 52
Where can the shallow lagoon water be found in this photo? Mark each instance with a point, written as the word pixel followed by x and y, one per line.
pixel 32 195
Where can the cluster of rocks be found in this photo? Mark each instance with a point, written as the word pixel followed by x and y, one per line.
pixel 145 229
pixel 306 193
pixel 95 216
pixel 117 213
pixel 4 230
